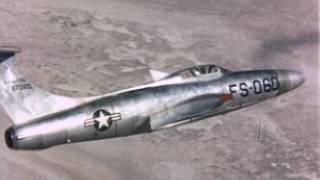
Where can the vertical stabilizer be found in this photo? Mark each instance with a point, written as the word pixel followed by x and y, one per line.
pixel 22 100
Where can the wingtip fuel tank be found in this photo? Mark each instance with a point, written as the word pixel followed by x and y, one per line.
pixel 42 120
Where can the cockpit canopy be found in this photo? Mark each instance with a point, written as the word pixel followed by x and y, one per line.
pixel 200 71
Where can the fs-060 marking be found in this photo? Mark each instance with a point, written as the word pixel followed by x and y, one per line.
pixel 256 86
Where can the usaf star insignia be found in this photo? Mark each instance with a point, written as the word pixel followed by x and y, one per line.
pixel 102 120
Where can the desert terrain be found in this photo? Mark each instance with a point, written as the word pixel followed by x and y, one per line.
pixel 83 48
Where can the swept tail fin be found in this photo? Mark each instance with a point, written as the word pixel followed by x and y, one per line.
pixel 22 100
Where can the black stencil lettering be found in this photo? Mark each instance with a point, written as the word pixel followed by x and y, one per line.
pixel 230 88
pixel 275 83
pixel 257 86
pixel 244 89
pixel 266 85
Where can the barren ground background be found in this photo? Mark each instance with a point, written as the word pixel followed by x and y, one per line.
pixel 80 48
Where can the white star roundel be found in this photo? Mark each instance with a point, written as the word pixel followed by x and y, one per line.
pixel 102 120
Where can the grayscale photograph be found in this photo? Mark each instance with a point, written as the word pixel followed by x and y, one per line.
pixel 154 90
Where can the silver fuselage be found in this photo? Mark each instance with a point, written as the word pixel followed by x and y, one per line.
pixel 153 107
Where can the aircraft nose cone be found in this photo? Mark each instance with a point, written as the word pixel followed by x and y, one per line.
pixel 296 78
pixel 289 79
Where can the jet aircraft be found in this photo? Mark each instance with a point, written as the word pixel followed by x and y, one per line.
pixel 42 119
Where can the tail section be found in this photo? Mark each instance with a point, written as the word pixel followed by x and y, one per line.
pixel 22 100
